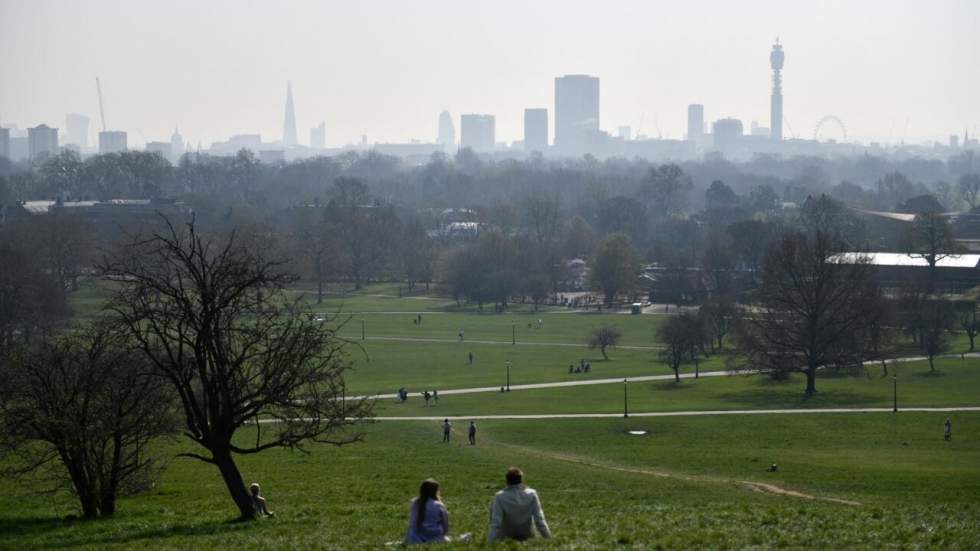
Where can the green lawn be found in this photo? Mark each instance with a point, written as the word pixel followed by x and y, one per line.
pixel 680 486
pixel 690 482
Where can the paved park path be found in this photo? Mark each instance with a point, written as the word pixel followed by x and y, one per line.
pixel 640 379
pixel 508 343
pixel 677 413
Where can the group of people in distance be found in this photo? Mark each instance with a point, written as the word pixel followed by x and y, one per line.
pixel 447 429
pixel 583 367
pixel 514 513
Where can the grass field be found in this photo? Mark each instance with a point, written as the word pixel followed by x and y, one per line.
pixel 856 480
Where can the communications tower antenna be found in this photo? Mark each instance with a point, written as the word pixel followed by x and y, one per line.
pixel 98 87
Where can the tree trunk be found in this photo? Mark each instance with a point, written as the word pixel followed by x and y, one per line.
pixel 677 373
pixel 603 350
pixel 932 366
pixel 972 337
pixel 319 280
pixel 235 483
pixel 811 381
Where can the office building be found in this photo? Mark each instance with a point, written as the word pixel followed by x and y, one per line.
pixel 318 136
pixel 536 130
pixel 5 142
pixel 576 111
pixel 695 122
pixel 776 59
pixel 42 140
pixel 447 132
pixel 477 132
pixel 112 141
pixel 727 134
pixel 954 141
pixel 77 127
pixel 162 148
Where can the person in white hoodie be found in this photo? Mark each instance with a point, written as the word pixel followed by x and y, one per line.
pixel 514 509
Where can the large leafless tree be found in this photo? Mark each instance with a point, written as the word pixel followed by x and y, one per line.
pixel 814 309
pixel 82 407
pixel 212 317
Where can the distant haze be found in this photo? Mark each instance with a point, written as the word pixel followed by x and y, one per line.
pixel 387 68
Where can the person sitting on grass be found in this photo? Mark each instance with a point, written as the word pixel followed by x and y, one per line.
pixel 258 501
pixel 513 510
pixel 428 519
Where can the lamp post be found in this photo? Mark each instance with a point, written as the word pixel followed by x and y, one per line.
pixel 894 393
pixel 626 410
pixel 508 375
pixel 362 330
pixel 513 334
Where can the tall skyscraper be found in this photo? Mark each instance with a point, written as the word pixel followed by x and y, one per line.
pixel 447 130
pixel 695 122
pixel 576 110
pixel 289 126
pixel 536 130
pixel 5 142
pixel 112 141
pixel 318 136
pixel 77 128
pixel 776 103
pixel 42 140
pixel 478 132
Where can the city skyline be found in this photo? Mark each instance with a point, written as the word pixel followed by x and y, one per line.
pixel 905 75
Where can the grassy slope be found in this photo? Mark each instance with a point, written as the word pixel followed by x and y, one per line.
pixel 915 490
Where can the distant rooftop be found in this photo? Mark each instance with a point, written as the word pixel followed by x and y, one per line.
pixel 902 259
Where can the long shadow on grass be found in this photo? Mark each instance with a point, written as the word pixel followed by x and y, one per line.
pixel 131 533
pixel 769 394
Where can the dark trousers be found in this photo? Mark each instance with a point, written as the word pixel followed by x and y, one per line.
pixel 445 436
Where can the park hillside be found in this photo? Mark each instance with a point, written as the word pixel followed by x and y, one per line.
pixel 772 354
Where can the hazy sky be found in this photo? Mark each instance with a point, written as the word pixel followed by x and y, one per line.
pixel 387 68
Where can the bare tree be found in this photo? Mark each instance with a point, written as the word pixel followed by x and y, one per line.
pixel 969 188
pixel 665 190
pixel 814 309
pixel 682 337
pixel 212 318
pixel 82 408
pixel 718 317
pixel 969 320
pixel 604 337
pixel 615 267
pixel 930 238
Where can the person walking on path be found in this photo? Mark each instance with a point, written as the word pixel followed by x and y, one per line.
pixel 471 358
pixel 446 427
pixel 426 396
pixel 948 430
pixel 514 509
pixel 435 396
pixel 428 519
pixel 460 335
pixel 472 433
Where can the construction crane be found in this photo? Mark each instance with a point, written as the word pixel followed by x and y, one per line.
pixel 98 87
pixel 656 123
